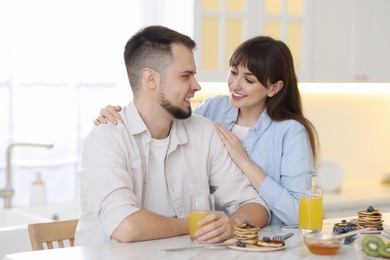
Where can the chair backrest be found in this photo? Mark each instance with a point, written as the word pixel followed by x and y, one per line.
pixel 42 234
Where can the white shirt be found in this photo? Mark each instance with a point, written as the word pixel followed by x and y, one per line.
pixel 157 181
pixel 240 131
pixel 114 173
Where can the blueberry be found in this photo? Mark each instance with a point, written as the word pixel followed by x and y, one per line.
pixel 351 229
pixel 240 244
pixel 343 221
pixel 370 209
pixel 343 230
pixel 246 223
pixel 380 228
pixel 266 239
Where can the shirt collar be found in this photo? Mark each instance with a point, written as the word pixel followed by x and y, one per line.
pixel 136 125
pixel 134 122
pixel 263 123
pixel 231 118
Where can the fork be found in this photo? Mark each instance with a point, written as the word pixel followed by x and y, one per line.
pixel 282 237
pixel 354 221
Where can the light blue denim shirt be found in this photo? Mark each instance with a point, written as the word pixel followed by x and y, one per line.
pixel 281 148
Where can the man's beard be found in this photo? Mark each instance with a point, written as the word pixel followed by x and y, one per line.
pixel 175 111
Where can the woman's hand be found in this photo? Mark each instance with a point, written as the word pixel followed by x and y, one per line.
pixel 109 113
pixel 219 229
pixel 233 145
pixel 255 174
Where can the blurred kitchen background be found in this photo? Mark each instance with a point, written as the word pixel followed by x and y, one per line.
pixel 61 61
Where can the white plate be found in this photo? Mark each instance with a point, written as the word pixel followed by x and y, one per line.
pixel 251 248
pixel 383 236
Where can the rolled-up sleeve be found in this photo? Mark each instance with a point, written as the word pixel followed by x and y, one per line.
pixel 296 171
pixel 107 186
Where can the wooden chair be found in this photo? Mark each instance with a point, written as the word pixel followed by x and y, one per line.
pixel 46 234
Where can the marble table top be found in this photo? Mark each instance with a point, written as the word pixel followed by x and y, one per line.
pixel 154 249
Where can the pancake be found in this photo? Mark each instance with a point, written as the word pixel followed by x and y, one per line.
pixel 370 218
pixel 271 243
pixel 247 233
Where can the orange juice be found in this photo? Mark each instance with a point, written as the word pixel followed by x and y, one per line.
pixel 195 217
pixel 310 214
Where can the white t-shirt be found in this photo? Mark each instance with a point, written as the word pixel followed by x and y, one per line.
pixel 157 180
pixel 240 131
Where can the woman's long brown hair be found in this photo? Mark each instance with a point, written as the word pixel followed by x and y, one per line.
pixel 270 60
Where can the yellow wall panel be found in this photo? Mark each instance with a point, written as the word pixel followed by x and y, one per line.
pixel 273 7
pixel 295 7
pixel 272 29
pixel 211 5
pixel 294 42
pixel 234 35
pixel 235 5
pixel 210 43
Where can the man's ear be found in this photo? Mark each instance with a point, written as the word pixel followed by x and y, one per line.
pixel 150 78
pixel 275 88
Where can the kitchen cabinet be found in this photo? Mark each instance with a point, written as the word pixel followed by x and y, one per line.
pixel 350 41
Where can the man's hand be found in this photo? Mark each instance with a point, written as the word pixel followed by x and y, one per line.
pixel 219 229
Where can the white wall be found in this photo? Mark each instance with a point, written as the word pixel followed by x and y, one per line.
pixel 353 123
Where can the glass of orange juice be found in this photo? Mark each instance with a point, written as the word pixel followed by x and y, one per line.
pixel 310 210
pixel 201 205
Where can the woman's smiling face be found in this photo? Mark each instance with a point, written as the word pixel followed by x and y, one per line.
pixel 245 90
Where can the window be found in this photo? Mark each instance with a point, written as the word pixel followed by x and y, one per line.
pixel 222 25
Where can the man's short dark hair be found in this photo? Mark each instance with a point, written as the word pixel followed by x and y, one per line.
pixel 151 47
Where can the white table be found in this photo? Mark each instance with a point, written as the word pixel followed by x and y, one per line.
pixel 153 249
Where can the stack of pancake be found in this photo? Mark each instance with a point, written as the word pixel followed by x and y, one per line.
pixel 345 224
pixel 247 233
pixel 371 218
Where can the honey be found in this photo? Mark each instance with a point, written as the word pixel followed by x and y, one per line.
pixel 323 248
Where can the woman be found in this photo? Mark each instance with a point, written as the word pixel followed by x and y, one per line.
pixel 262 125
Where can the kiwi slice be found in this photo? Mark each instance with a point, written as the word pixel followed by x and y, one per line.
pixel 384 251
pixel 371 245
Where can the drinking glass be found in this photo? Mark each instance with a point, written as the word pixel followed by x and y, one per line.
pixel 201 205
pixel 310 210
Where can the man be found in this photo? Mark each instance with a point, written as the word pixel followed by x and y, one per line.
pixel 136 178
